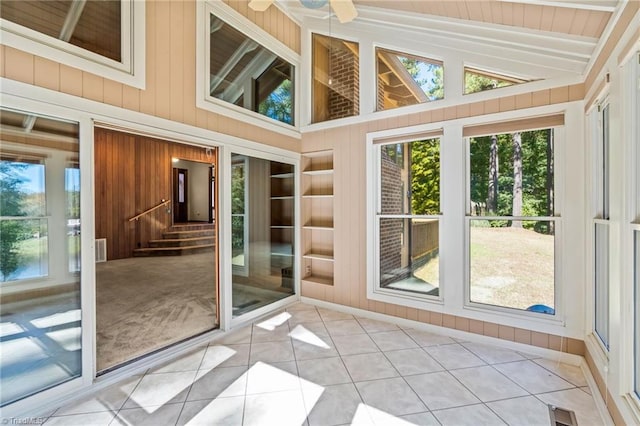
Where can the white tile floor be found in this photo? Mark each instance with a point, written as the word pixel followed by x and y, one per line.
pixel 321 367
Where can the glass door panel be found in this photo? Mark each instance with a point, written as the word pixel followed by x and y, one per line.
pixel 40 313
pixel 262 232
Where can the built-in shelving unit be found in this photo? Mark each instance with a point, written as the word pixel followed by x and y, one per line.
pixel 317 217
pixel 282 220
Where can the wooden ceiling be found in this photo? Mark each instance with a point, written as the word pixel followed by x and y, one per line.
pixel 583 19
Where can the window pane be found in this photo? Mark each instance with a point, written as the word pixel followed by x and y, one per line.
pixel 407 80
pixel 636 274
pixel 263 237
pixel 248 75
pixel 91 25
pixel 72 190
pixel 410 178
pixel 512 264
pixel 409 255
pixel 605 162
pixel 40 317
pixel 336 78
pixel 512 174
pixel 479 81
pixel 601 293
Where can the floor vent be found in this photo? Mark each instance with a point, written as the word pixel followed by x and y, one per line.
pixel 101 250
pixel 562 417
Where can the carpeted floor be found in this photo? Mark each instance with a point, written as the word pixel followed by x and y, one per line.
pixel 147 303
pixel 144 304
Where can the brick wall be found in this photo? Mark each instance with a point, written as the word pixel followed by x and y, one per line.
pixel 344 95
pixel 390 229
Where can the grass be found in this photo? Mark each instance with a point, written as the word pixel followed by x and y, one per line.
pixel 512 267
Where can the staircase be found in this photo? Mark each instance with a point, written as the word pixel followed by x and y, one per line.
pixel 181 240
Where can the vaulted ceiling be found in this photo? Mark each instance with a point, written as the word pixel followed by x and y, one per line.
pixel 531 38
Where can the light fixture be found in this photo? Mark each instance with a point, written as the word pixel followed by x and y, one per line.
pixel 314 4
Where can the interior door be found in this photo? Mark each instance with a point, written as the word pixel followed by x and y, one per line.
pixel 180 195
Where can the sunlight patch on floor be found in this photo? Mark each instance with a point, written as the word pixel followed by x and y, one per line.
pixel 57 319
pixel 274 322
pixel 302 334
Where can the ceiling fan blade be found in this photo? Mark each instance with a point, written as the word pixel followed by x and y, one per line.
pixel 344 10
pixel 260 5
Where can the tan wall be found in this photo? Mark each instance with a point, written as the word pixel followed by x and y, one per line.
pixel 350 241
pixel 170 70
pixel 631 8
pixel 618 420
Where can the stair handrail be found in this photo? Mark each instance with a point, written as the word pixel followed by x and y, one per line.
pixel 162 203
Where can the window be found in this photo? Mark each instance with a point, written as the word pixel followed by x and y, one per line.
pixel 511 218
pixel 336 78
pixel 601 229
pixel 91 25
pixel 101 37
pixel 24 222
pixel 478 81
pixel 407 79
pixel 248 75
pixel 408 218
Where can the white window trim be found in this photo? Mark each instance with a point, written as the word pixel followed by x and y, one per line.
pixel 203 38
pixel 566 322
pixel 597 200
pixel 374 291
pixel 131 71
pixel 559 316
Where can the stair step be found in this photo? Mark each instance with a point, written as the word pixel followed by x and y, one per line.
pixel 192 227
pixel 178 235
pixel 182 242
pixel 172 251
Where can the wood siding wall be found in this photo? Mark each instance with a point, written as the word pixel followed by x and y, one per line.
pixel 133 174
pixel 170 71
pixel 350 275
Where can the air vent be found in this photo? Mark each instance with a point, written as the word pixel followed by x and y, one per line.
pixel 101 250
pixel 562 416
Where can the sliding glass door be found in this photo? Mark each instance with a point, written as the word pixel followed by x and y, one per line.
pixel 40 313
pixel 262 228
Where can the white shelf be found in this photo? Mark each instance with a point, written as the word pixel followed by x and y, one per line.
pixel 284 197
pixel 318 172
pixel 318 280
pixel 281 226
pixel 316 256
pixel 319 226
pixel 317 196
pixel 282 176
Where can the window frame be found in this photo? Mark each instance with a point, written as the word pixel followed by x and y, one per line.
pixel 558 161
pixel 373 156
pixel 204 11
pixel 601 171
pixel 130 71
pixel 421 58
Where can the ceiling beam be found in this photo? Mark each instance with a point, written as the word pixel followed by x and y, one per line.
pixel 247 46
pixel 596 5
pixel 401 72
pixel 71 20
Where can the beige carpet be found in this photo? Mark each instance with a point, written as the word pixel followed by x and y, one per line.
pixel 145 304
pixel 148 303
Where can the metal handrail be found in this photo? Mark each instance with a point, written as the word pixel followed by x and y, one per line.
pixel 163 203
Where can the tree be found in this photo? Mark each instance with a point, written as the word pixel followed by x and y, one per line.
pixel 278 105
pixel 425 177
pixel 11 231
pixel 517 178
pixel 492 190
pixel 437 84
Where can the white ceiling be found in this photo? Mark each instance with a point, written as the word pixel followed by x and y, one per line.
pixel 528 38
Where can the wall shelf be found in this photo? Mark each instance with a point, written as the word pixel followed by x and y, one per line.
pixel 317 217
pixel 282 186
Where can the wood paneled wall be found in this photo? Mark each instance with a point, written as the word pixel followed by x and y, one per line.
pixel 133 174
pixel 170 71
